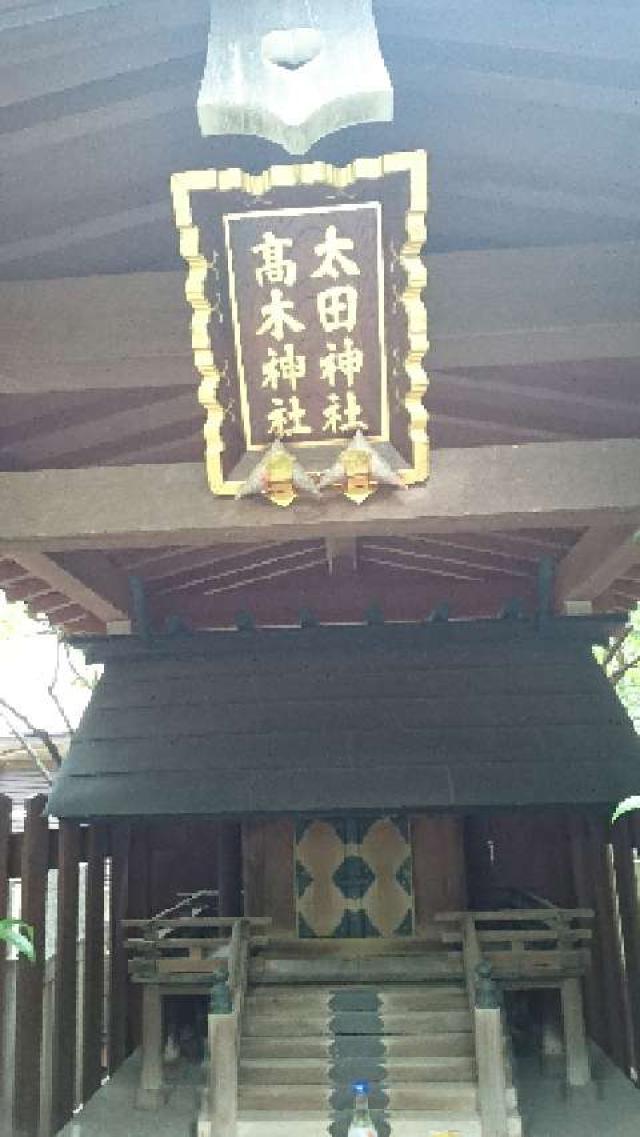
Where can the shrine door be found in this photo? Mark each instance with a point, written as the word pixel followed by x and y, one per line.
pixel 353 877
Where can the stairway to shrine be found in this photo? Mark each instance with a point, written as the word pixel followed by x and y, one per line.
pixel 310 1030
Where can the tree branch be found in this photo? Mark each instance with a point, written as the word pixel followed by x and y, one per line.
pixel 33 754
pixel 616 676
pixel 43 735
pixel 52 691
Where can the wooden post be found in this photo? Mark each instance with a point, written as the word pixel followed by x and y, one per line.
pixel 93 965
pixel 575 1038
pixel 605 936
pixel 150 1092
pixel 492 1071
pixel 585 898
pixel 120 835
pixel 229 869
pixel 30 976
pixel 629 907
pixel 66 977
pixel 5 833
pixel 223 1075
pixel 138 905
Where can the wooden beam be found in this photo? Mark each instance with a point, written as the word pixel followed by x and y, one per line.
pixel 132 330
pixel 539 485
pixel 342 555
pixel 605 553
pixel 87 578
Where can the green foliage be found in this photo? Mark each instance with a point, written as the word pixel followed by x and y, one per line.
pixel 18 935
pixel 621 662
pixel 629 805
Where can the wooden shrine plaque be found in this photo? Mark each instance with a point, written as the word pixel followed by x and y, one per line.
pixel 308 319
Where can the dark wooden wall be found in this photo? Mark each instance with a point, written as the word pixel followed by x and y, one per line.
pixel 438 869
pixel 519 850
pixel 574 858
pixel 268 871
pixel 439 875
pixel 29 856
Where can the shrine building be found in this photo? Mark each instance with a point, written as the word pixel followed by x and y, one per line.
pixel 320 433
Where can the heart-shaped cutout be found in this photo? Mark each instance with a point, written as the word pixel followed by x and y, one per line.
pixel 292 48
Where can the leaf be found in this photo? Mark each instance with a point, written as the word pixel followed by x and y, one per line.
pixel 629 805
pixel 18 935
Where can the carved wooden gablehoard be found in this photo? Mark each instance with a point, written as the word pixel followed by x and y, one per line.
pixel 293 72
pixel 309 327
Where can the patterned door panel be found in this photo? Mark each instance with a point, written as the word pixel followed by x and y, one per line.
pixel 353 877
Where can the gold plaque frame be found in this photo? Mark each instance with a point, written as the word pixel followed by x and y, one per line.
pixel 183 185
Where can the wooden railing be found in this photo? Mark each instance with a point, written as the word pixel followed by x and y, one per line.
pixel 165 961
pixel 189 945
pixel 525 948
pixel 527 945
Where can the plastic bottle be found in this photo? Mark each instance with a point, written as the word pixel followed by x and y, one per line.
pixel 361 1122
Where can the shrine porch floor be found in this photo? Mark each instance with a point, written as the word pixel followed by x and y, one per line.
pixel 610 1107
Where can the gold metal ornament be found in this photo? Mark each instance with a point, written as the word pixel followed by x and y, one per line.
pixel 359 470
pixel 278 476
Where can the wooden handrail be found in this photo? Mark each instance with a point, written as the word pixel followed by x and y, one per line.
pixel 544 915
pixel 197 922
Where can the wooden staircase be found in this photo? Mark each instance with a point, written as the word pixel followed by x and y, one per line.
pixel 309 1030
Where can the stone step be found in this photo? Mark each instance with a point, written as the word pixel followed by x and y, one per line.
pixel 391 1071
pixel 412 1046
pixel 316 1000
pixel 456 1096
pixel 310 1123
pixel 356 1022
pixel 339 971
pixel 404 992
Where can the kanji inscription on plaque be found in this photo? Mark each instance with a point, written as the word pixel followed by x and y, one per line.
pixel 307 299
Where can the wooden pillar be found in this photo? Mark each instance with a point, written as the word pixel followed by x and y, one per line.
pixel 624 840
pixel 607 966
pixel 223 1075
pixel 607 923
pixel 492 1073
pixel 138 906
pixel 575 1038
pixel 150 1092
pixel 65 1021
pixel 229 869
pixel 30 976
pixel 5 833
pixel 94 946
pixel 585 898
pixel 120 836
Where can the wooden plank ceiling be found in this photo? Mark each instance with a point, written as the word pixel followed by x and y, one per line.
pixel 534 290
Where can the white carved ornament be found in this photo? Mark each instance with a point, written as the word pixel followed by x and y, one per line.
pixel 293 71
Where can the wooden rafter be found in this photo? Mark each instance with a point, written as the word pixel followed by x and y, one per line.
pixel 603 555
pixel 482 319
pixel 86 581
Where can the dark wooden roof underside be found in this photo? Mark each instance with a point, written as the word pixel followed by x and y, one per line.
pixel 451 715
pixel 533 253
